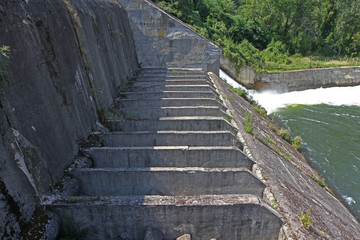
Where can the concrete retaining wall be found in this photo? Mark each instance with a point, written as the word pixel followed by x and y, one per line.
pixel 293 80
pixel 162 40
pixel 310 78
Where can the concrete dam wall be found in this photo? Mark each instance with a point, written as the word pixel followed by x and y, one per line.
pixel 173 159
pixel 68 59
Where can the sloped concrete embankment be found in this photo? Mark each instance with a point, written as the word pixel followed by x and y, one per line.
pixel 168 171
pixel 289 177
pixel 68 58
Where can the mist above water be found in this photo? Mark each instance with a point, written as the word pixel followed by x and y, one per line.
pixel 270 100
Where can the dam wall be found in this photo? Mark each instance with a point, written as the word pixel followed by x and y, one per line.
pixel 294 80
pixel 67 61
pixel 162 40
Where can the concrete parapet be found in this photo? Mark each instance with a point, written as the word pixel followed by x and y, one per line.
pixel 167 181
pixel 170 156
pixel 204 217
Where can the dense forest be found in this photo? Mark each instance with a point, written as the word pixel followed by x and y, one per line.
pixel 268 33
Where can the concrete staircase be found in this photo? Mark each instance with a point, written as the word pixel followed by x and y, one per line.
pixel 173 163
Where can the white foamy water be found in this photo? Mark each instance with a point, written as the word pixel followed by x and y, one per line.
pixel 271 100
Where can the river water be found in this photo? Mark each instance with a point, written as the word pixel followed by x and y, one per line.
pixel 328 121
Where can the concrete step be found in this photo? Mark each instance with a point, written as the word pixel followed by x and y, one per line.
pixel 168 156
pixel 204 217
pixel 169 102
pixel 168 94
pixel 160 83
pixel 171 72
pixel 158 112
pixel 170 138
pixel 166 181
pixel 176 88
pixel 167 76
pixel 173 123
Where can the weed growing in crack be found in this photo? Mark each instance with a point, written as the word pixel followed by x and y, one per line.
pixel 305 218
pixel 248 123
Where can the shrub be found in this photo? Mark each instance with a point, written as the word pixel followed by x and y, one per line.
pixel 296 142
pixel 284 134
pixel 260 110
pixel 275 52
pixel 248 123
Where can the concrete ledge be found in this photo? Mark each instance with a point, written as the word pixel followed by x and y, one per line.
pixel 170 138
pixel 170 102
pixel 155 113
pixel 169 94
pixel 169 87
pixel 204 217
pixel 167 181
pixel 170 156
pixel 174 124
pixel 159 82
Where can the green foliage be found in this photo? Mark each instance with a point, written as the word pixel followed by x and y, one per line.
pixel 275 52
pixel 229 118
pixel 248 123
pixel 284 134
pixel 4 61
pixel 117 32
pixel 321 182
pixel 305 218
pixel 263 34
pixel 261 110
pixel 296 142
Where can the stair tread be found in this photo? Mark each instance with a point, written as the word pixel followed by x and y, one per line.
pixel 198 200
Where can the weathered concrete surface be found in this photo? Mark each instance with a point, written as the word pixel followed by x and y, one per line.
pixel 218 157
pixel 58 61
pixel 244 75
pixel 291 181
pixel 309 78
pixel 174 124
pixel 167 181
pixel 158 165
pixel 170 138
pixel 106 44
pixel 162 40
pixel 158 112
pixel 204 217
pixel 286 81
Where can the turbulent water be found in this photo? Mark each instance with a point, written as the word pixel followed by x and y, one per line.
pixel 328 121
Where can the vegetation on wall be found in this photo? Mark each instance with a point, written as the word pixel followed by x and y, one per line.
pixel 259 33
pixel 4 61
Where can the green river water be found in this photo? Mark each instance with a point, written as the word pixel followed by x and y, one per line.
pixel 328 121
pixel 331 143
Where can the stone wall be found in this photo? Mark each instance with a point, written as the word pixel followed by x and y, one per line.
pixel 293 80
pixel 162 40
pixel 68 58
